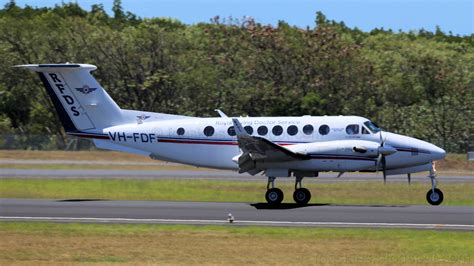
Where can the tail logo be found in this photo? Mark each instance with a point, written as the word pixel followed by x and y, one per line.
pixel 86 89
pixel 143 116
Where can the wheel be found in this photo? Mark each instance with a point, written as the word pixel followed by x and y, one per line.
pixel 301 196
pixel 434 198
pixel 274 196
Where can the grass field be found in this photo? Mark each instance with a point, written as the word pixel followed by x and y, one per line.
pixel 73 155
pixel 205 190
pixel 456 164
pixel 53 166
pixel 235 191
pixel 49 243
pixel 453 164
pixel 97 244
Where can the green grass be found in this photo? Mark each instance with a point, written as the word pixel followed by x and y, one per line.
pixel 370 192
pixel 172 167
pixel 453 164
pixel 104 166
pixel 185 244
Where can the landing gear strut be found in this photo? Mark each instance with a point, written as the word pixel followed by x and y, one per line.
pixel 274 195
pixel 301 194
pixel 434 195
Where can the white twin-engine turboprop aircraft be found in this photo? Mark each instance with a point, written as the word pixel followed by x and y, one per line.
pixel 275 146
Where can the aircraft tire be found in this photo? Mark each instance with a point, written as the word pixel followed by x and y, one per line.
pixel 302 196
pixel 434 198
pixel 274 196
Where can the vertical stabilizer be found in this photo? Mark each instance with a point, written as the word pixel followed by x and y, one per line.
pixel 80 101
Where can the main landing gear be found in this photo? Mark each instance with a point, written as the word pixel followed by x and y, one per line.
pixel 275 196
pixel 434 195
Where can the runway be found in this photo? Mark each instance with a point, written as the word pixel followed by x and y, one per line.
pixel 204 174
pixel 217 213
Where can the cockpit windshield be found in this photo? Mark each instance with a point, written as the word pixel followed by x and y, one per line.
pixel 372 126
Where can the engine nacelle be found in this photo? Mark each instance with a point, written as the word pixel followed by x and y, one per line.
pixel 364 148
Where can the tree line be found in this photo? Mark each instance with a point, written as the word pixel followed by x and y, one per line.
pixel 419 83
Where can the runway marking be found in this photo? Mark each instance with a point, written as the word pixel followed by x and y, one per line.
pixel 241 222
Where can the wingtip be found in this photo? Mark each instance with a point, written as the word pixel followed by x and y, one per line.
pixel 239 129
pixel 23 66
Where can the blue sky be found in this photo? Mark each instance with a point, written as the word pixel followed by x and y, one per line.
pixel 456 16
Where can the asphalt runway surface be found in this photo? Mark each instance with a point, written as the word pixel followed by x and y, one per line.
pixel 318 215
pixel 205 174
pixel 217 213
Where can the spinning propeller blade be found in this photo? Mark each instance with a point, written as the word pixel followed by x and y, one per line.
pixel 381 159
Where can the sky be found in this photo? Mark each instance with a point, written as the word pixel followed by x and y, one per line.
pixel 456 16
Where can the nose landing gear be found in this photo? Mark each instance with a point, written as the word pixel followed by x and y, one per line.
pixel 434 195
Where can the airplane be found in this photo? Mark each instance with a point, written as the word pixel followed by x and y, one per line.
pixel 275 147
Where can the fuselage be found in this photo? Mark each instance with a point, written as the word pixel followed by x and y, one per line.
pixel 211 142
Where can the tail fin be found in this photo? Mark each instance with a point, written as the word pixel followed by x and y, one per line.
pixel 80 101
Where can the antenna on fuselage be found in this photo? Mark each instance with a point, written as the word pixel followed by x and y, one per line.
pixel 222 114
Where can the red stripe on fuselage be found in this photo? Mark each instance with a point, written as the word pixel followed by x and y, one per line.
pixel 209 142
pixel 198 142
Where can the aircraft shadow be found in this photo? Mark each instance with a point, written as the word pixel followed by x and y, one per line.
pixel 286 206
pixel 80 200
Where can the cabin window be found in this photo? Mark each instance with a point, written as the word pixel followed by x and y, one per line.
pixel 262 130
pixel 249 130
pixel 324 129
pixel 292 130
pixel 308 129
pixel 352 129
pixel 231 131
pixel 180 131
pixel 208 131
pixel 277 130
pixel 365 131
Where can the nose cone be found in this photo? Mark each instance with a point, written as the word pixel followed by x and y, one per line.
pixel 404 143
pixel 436 152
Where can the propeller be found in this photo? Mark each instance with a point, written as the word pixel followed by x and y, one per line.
pixel 381 162
pixel 383 151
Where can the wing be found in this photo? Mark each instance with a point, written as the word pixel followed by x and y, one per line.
pixel 257 149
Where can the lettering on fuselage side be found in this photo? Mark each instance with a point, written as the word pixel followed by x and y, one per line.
pixel 132 137
pixel 259 122
pixel 69 101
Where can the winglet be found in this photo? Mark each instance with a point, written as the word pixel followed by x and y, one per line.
pixel 56 67
pixel 239 129
pixel 222 114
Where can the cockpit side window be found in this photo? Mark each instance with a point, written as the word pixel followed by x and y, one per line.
pixel 352 129
pixel 365 130
pixel 372 126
